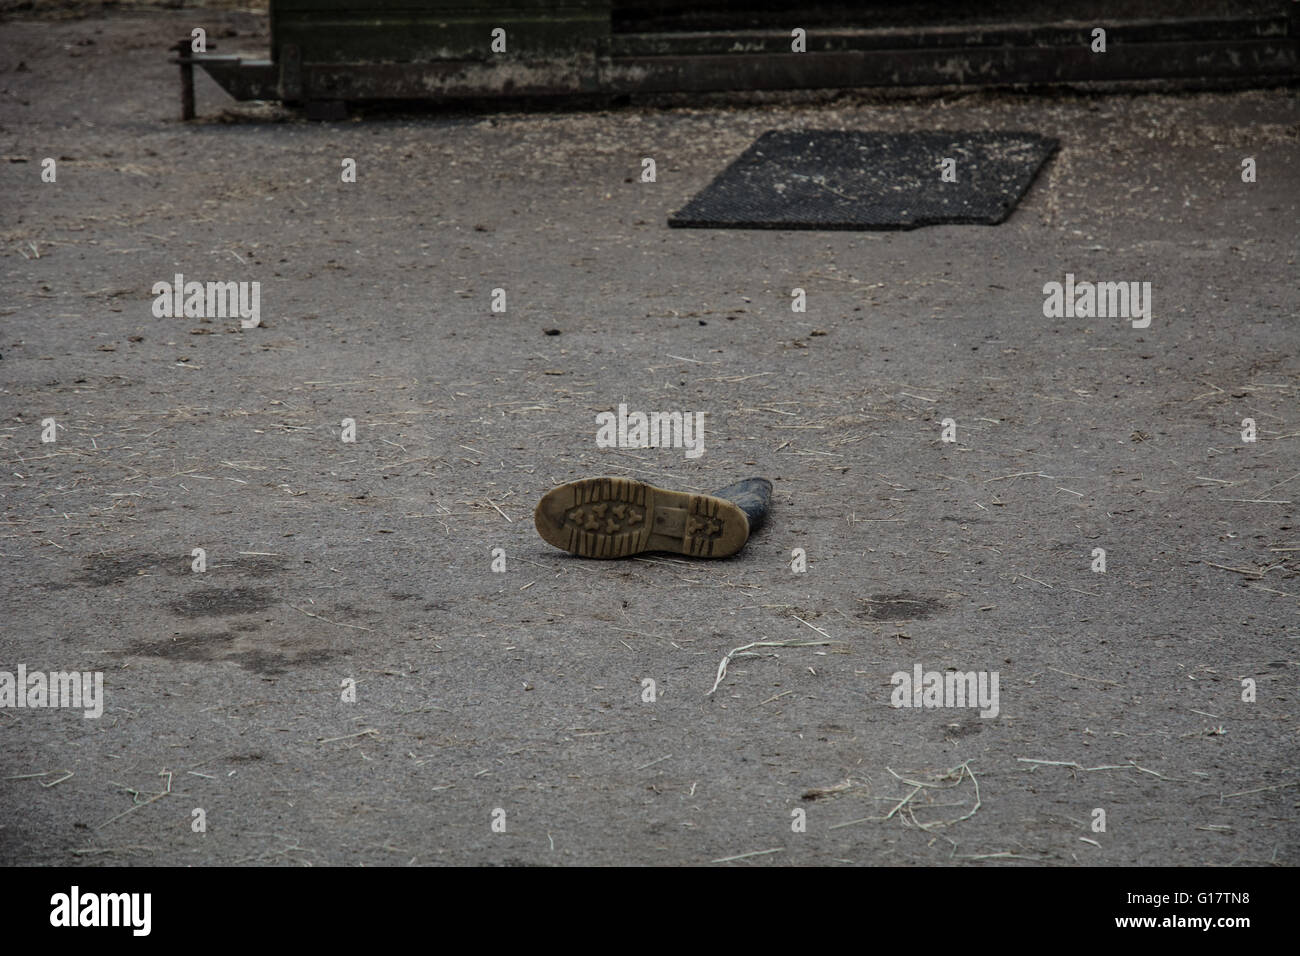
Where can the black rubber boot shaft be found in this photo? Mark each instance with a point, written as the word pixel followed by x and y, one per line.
pixel 753 496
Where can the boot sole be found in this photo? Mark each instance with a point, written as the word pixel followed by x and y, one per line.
pixel 618 517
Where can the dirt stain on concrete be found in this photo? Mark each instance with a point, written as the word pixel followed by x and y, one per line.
pixel 220 602
pixel 211 647
pixel 105 570
pixel 903 606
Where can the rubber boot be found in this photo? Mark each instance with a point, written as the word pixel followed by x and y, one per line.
pixel 620 517
pixel 753 496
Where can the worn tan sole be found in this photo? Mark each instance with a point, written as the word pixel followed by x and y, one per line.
pixel 618 517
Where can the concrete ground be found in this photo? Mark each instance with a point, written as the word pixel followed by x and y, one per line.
pixel 520 698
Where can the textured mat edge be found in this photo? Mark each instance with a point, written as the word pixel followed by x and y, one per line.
pixel 1050 144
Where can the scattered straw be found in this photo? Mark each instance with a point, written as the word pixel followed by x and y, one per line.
pixel 1002 855
pixel 1253 572
pixel 360 733
pixel 67 775
pixel 817 793
pixel 746 856
pixel 1131 765
pixel 743 650
pixel 328 621
pixel 135 797
pixel 956 775
pixel 813 626
pixel 1280 786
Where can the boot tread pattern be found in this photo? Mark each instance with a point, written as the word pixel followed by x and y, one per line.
pixel 703 526
pixel 618 517
pixel 607 519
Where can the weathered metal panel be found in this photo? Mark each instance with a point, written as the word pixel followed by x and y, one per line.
pixel 418 31
pixel 338 50
pixel 836 39
pixel 1000 65
pixel 450 79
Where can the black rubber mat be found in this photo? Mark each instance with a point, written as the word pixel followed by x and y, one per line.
pixel 828 179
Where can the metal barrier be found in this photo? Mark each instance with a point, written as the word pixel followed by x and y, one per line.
pixel 328 52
